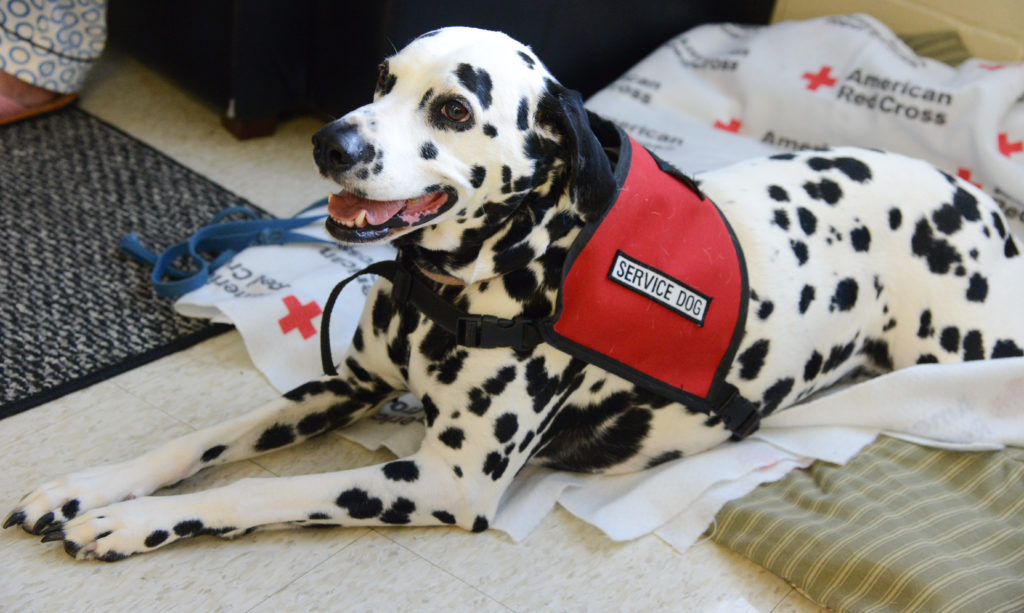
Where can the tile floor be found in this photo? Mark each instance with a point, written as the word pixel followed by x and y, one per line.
pixel 565 565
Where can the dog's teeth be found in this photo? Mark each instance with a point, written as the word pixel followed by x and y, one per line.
pixel 361 219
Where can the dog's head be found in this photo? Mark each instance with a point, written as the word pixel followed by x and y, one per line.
pixel 464 125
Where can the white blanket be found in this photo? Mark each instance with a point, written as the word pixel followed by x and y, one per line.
pixel 707 98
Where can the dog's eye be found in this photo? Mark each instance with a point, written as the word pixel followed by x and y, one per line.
pixel 455 111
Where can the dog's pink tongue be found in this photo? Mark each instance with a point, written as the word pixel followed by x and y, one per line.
pixel 346 207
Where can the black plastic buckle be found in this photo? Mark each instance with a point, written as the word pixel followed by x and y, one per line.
pixel 473 330
pixel 736 408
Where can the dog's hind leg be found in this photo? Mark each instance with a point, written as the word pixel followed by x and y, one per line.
pixel 308 410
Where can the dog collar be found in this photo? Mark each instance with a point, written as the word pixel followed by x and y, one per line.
pixel 669 322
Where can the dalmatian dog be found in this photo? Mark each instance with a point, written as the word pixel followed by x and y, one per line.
pixel 482 169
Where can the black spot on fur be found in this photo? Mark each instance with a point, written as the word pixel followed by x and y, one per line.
pixel 800 251
pixel 752 360
pixel 213 453
pixel 520 284
pixel 777 193
pixel 523 114
pixel 806 297
pixel 895 218
pixel 453 437
pixel 402 470
pixel 505 427
pixel 854 169
pixel 480 523
pixel 966 204
pixel 476 80
pixel 428 151
pixel 877 350
pixel 949 339
pixel 478 174
pixel 312 423
pixel 813 366
pixel 861 238
pixel 189 527
pixel 539 385
pixel 496 385
pixel 399 511
pixel 430 410
pixel 449 369
pixel 156 537
pixel 359 504
pixel 765 309
pixel 837 355
pixel 783 156
pixel 511 259
pixel 444 517
pixel 275 436
pixel 479 401
pixel 1010 249
pixel 781 219
pixel 925 329
pixel 845 296
pixel 997 223
pixel 668 456
pixel 1006 349
pixel 383 312
pixel 947 219
pixel 927 358
pixel 973 347
pixel 939 254
pixel 357 339
pixel 808 222
pixel 70 508
pixel 357 370
pixel 775 394
pixel 977 290
pixel 529 61
pixel 495 465
pixel 826 190
pixel 490 130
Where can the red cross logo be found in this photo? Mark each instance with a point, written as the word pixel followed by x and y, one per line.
pixel 823 77
pixel 299 317
pixel 1007 148
pixel 965 174
pixel 733 125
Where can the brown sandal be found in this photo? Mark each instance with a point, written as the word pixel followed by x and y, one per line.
pixel 20 112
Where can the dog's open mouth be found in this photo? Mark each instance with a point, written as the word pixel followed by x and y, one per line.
pixel 356 219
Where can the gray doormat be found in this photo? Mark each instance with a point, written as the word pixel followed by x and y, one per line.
pixel 73 311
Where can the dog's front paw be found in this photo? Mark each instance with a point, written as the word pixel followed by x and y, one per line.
pixel 61 500
pixel 117 531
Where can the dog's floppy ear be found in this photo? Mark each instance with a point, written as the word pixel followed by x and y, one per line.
pixel 591 181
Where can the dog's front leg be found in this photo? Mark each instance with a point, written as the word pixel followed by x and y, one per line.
pixel 420 489
pixel 309 410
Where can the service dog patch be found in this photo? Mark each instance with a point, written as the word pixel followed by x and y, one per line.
pixel 659 287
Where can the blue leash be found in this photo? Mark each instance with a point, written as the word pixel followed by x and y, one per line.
pixel 220 240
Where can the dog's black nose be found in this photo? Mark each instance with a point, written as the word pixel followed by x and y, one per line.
pixel 338 146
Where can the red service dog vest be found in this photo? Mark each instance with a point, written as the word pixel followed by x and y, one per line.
pixel 656 290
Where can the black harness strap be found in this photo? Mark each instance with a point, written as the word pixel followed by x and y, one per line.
pixel 407 285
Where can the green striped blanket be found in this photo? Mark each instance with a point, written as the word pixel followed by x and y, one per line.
pixel 899 528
